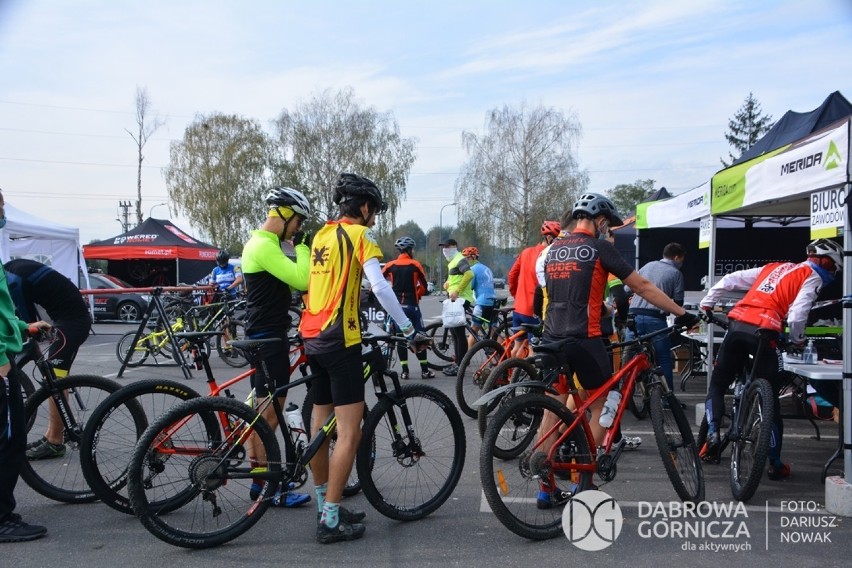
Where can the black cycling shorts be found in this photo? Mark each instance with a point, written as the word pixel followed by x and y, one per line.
pixel 276 356
pixel 338 377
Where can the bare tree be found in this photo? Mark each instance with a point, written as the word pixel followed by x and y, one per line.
pixel 146 128
pixel 217 176
pixel 745 128
pixel 332 133
pixel 522 171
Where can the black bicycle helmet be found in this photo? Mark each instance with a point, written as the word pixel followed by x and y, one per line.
pixel 351 186
pixel 287 197
pixel 594 204
pixel 222 257
pixel 404 243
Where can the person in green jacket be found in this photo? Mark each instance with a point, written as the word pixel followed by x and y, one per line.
pixel 458 285
pixel 13 428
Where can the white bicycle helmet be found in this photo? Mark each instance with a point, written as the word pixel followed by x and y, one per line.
pixel 287 197
pixel 404 243
pixel 826 247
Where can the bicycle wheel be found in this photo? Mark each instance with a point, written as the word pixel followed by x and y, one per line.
pixel 677 445
pixel 231 355
pixel 353 486
pixel 60 478
pixel 751 446
pixel 442 350
pixel 511 370
pixel 113 429
pixel 639 403
pixel 139 351
pixel 474 369
pixel 202 474
pixel 512 487
pixel 413 468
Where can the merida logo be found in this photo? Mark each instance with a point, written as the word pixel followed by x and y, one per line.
pixel 833 159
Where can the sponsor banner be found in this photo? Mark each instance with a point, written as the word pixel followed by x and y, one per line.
pixel 681 208
pixel 705 232
pixel 828 213
pixel 729 185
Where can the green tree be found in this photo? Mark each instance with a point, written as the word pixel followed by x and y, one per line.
pixel 217 176
pixel 332 133
pixel 745 128
pixel 521 171
pixel 625 196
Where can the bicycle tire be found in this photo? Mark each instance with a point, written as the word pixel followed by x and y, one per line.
pixel 442 348
pixel 141 349
pixel 113 430
pixel 231 355
pixel 511 370
pixel 677 446
pixel 639 402
pixel 353 486
pixel 214 510
pixel 474 369
pixel 61 478
pixel 412 471
pixel 512 487
pixel 750 449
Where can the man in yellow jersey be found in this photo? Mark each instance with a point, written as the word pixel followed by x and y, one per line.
pixel 343 252
pixel 269 276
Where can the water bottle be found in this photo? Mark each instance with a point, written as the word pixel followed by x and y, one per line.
pixel 809 355
pixel 297 426
pixel 610 408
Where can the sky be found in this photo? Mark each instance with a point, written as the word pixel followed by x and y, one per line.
pixel 653 83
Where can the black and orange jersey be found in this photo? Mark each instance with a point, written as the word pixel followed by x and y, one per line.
pixel 577 267
pixel 407 277
pixel 331 318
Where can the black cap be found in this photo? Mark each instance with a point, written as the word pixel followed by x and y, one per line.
pixel 449 243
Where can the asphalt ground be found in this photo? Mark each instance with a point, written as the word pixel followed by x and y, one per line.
pixel 784 524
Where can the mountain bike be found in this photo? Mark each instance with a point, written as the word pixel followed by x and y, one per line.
pixel 74 397
pixel 117 423
pixel 155 345
pixel 191 482
pixel 750 422
pixel 443 344
pixel 546 446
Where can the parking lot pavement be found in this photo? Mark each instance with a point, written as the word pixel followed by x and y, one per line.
pixel 781 522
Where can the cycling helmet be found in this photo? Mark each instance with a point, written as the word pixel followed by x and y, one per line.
pixel 551 228
pixel 470 251
pixel 826 247
pixel 222 257
pixel 594 204
pixel 351 186
pixel 287 197
pixel 404 243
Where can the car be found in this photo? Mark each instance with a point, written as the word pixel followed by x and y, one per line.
pixel 499 283
pixel 127 306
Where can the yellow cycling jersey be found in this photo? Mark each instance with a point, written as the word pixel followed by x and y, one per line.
pixel 331 319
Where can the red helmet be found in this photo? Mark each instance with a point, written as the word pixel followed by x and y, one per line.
pixel 470 251
pixel 551 228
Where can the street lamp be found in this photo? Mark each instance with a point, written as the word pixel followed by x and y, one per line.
pixel 440 281
pixel 151 211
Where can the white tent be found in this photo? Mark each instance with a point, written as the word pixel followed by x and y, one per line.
pixel 28 236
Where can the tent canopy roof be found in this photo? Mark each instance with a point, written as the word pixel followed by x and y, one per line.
pixel 154 239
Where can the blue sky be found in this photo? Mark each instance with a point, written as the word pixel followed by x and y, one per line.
pixel 652 83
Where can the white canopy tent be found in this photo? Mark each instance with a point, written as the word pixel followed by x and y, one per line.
pixel 28 236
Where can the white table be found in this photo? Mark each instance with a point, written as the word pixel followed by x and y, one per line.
pixel 821 372
pixel 698 355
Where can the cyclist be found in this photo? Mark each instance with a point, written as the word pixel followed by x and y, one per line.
pixel 522 280
pixel 13 433
pixel 32 283
pixel 483 293
pixel 775 292
pixel 409 283
pixel 575 271
pixel 343 251
pixel 225 276
pixel 459 277
pixel 270 278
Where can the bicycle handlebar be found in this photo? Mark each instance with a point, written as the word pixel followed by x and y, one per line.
pixel 710 317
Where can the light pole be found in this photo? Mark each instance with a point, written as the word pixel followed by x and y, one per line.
pixel 440 281
pixel 150 211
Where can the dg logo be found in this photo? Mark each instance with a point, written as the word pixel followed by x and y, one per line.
pixel 592 520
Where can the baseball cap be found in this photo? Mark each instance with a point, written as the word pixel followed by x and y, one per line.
pixel 449 243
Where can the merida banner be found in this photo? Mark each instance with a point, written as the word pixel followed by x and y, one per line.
pixel 816 162
pixel 687 206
